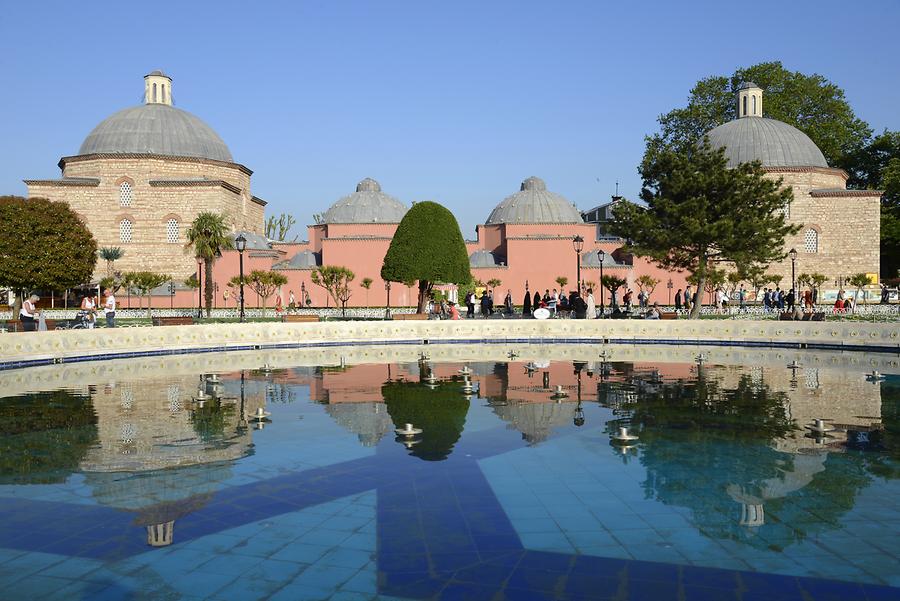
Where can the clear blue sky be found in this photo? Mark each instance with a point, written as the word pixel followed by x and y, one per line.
pixel 450 101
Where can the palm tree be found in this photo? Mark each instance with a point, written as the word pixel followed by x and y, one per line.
pixel 208 236
pixel 110 254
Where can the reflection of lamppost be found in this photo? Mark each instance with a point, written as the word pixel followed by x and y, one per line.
pixel 199 287
pixel 669 286
pixel 240 243
pixel 601 255
pixel 578 245
pixel 387 310
pixel 793 255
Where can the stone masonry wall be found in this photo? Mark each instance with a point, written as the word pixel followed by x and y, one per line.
pixel 153 206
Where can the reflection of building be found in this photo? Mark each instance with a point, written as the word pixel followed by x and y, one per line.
pixel 369 421
pixel 535 420
pixel 160 453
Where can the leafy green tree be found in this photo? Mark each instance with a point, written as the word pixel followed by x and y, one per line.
pixel 813 280
pixel 335 279
pixel 111 254
pixel 877 166
pixel 701 212
pixel 208 236
pixel 143 282
pixel 366 283
pixel 810 103
pixel 612 283
pixel 858 281
pixel 429 248
pixel 278 228
pixel 647 283
pixel 494 283
pixel 264 283
pixel 561 281
pixel 43 245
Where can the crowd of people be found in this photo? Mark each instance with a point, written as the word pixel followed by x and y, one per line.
pixel 32 318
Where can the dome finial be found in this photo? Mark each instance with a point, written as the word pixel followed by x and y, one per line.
pixel 157 88
pixel 749 99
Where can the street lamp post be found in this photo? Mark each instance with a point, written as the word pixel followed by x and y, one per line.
pixel 387 310
pixel 303 302
pixel 240 243
pixel 199 287
pixel 601 255
pixel 793 255
pixel 578 245
pixel 171 294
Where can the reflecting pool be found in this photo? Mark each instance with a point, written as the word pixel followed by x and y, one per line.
pixel 453 473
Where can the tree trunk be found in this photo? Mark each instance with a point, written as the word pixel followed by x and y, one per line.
pixel 208 286
pixel 695 307
pixel 424 290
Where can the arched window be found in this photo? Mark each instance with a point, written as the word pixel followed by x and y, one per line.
pixel 745 107
pixel 811 241
pixel 125 230
pixel 163 94
pixel 172 231
pixel 154 92
pixel 754 105
pixel 126 194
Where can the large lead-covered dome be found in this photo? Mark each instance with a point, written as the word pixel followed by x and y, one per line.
pixel 533 203
pixel 367 205
pixel 156 127
pixel 752 137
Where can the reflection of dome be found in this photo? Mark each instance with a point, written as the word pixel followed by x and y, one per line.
pixel 535 420
pixel 533 203
pixel 156 129
pixel 367 205
pixel 369 421
pixel 483 258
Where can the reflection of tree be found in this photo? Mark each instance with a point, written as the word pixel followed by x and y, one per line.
pixel 711 449
pixel 439 412
pixel 211 420
pixel 886 462
pixel 44 436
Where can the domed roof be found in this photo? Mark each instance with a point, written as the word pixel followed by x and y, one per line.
pixel 483 258
pixel 305 259
pixel 533 203
pixel 367 205
pixel 156 128
pixel 771 142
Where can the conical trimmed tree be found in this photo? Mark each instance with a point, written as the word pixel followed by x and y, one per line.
pixel 429 248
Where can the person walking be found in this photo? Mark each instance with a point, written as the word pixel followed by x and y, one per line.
pixel 470 304
pixel 292 302
pixel 678 301
pixel 591 311
pixel 526 305
pixel 742 300
pixel 537 301
pixel 28 312
pixel 109 308
pixel 454 312
pixel 687 299
pixel 508 303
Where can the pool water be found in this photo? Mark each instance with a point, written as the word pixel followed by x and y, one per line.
pixel 257 476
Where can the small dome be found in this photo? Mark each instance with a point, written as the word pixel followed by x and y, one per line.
pixel 367 205
pixel 305 259
pixel 533 203
pixel 254 241
pixel 483 258
pixel 771 142
pixel 591 259
pixel 747 85
pixel 156 129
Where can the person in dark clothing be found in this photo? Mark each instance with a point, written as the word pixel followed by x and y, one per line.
pixel 577 306
pixel 526 306
pixel 537 301
pixel 678 300
pixel 470 305
pixel 485 305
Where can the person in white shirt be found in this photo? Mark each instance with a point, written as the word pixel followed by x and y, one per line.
pixel 28 312
pixel 88 306
pixel 109 308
